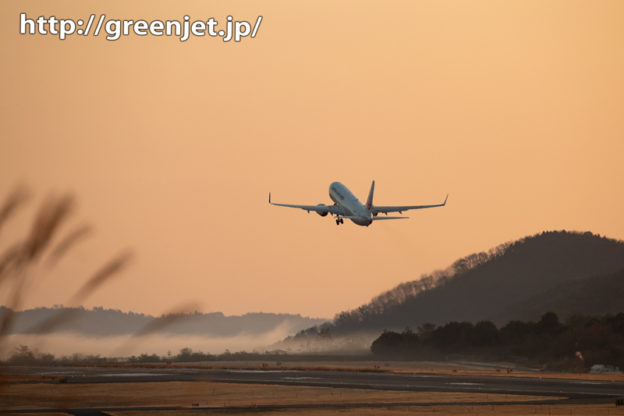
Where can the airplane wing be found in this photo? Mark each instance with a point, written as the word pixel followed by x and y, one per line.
pixel 377 209
pixel 319 209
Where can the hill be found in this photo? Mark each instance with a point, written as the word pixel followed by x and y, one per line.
pixel 560 271
pixel 109 322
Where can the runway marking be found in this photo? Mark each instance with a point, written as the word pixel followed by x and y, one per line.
pixel 606 383
pixel 301 378
pixel 132 375
pixel 259 371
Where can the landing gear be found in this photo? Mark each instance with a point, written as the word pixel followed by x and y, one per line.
pixel 339 221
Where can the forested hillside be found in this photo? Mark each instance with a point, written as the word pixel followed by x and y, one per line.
pixel 560 271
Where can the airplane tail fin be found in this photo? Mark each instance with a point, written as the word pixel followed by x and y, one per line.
pixel 369 200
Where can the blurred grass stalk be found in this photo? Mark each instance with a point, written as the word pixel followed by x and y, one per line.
pixel 19 259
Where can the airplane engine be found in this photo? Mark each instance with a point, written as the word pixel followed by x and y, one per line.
pixel 322 213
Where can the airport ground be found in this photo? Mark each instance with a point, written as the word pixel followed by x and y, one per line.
pixel 329 388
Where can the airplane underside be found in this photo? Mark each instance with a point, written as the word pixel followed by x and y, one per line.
pixel 363 221
pixel 347 206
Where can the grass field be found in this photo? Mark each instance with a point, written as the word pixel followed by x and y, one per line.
pixel 201 397
pixel 111 395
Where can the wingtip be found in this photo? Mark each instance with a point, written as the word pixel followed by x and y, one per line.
pixel 269 197
pixel 445 199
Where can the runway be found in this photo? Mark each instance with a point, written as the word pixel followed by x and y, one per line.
pixel 574 389
pixel 375 380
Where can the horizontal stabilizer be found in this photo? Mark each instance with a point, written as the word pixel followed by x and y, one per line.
pixel 389 218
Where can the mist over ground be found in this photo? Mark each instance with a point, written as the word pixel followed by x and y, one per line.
pixel 112 333
pixel 67 344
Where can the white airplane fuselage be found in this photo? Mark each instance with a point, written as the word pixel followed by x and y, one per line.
pixel 347 206
pixel 358 213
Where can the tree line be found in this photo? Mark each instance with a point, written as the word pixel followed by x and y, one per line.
pixel 24 355
pixel 578 343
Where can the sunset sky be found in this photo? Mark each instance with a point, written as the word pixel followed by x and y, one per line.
pixel 513 108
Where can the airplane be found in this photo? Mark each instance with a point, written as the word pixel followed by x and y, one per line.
pixel 346 205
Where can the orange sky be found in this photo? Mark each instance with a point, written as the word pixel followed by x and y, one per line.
pixel 515 108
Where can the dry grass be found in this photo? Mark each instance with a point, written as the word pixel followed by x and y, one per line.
pixel 28 396
pixel 216 394
pixel 588 410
